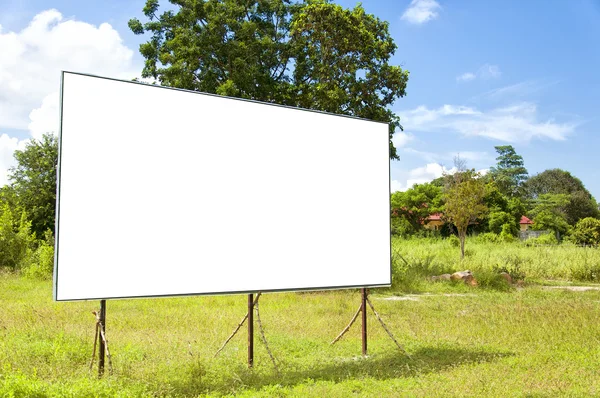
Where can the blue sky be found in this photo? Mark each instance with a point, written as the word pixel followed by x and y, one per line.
pixel 482 74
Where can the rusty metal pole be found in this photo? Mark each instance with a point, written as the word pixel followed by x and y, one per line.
pixel 364 321
pixel 101 345
pixel 250 330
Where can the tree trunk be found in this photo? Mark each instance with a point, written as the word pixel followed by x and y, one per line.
pixel 461 236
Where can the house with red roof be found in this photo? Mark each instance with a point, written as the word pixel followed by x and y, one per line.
pixel 525 223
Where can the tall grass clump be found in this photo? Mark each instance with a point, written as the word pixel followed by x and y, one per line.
pixel 488 255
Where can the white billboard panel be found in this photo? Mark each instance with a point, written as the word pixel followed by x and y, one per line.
pixel 169 192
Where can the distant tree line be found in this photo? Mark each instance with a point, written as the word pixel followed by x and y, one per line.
pixel 554 200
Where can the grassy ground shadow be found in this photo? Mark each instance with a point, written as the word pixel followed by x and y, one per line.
pixel 387 366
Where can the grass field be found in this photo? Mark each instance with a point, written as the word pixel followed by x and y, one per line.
pixel 483 341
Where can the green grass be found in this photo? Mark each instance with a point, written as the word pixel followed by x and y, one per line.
pixel 492 340
pixel 532 342
pixel 556 264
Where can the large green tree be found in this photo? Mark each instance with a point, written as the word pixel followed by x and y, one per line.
pixel 580 203
pixel 510 172
pixel 311 54
pixel 33 182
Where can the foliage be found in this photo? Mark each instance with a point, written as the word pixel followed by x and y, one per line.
pixel 587 232
pixel 464 202
pixel 545 239
pixel 510 172
pixel 16 240
pixel 33 182
pixel 401 227
pixel 39 264
pixel 549 221
pixel 453 240
pixel 580 203
pixel 498 219
pixel 508 232
pixel 416 203
pixel 311 54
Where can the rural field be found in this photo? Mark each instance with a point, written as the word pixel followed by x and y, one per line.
pixel 535 340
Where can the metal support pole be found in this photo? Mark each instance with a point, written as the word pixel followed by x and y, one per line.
pixel 101 345
pixel 250 330
pixel 364 321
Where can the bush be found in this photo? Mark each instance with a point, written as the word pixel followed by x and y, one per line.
pixel 488 237
pixel 545 239
pixel 40 263
pixel 16 240
pixel 586 232
pixel 453 240
pixel 507 233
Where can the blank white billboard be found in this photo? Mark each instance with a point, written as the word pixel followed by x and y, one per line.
pixel 167 192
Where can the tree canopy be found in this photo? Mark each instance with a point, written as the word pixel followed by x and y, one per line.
pixel 311 54
pixel 578 203
pixel 33 182
pixel 510 172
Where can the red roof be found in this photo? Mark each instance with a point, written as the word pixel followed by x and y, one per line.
pixel 525 220
pixel 434 217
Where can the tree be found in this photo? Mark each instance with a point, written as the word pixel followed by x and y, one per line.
pixel 310 54
pixel 416 203
pixel 510 172
pixel 580 203
pixel 464 193
pixel 548 213
pixel 33 182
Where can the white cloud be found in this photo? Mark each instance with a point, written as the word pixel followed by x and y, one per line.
pixel 400 139
pixel 8 145
pixel 515 123
pixel 485 72
pixel 419 175
pixel 403 180
pixel 421 11
pixel 30 65
pixel 465 77
pixel 31 61
pixel 45 118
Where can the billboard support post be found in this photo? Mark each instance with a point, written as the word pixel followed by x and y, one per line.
pixel 363 311
pixel 250 330
pixel 101 334
pixel 364 320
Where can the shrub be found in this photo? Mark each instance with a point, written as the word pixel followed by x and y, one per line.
pixel 40 263
pixel 488 237
pixel 16 239
pixel 587 232
pixel 453 240
pixel 507 233
pixel 545 239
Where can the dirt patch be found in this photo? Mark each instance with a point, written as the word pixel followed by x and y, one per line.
pixel 574 288
pixel 417 297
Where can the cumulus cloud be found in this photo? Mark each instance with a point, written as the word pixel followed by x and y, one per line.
pixel 8 145
pixel 419 175
pixel 485 72
pixel 421 11
pixel 30 64
pixel 515 123
pixel 400 139
pixel 31 61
